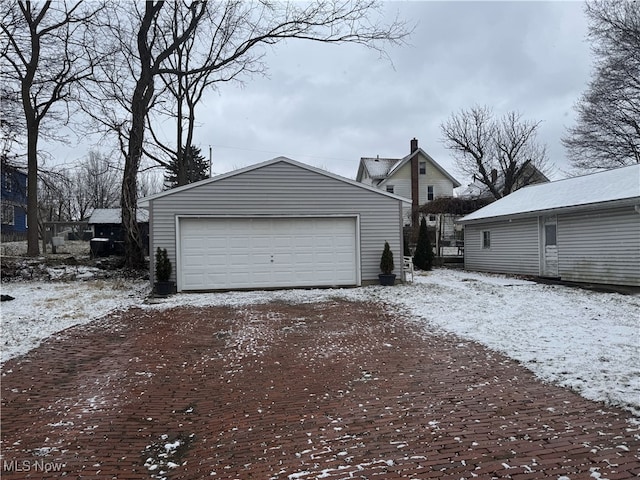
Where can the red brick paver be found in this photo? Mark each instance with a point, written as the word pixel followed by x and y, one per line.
pixel 330 390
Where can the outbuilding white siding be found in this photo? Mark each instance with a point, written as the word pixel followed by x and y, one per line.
pixel 600 247
pixel 283 188
pixel 514 247
pixel 594 222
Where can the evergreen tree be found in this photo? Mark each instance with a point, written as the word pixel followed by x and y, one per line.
pixel 192 167
pixel 423 257
pixel 386 261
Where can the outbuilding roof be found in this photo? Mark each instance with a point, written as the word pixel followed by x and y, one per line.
pixel 101 216
pixel 595 189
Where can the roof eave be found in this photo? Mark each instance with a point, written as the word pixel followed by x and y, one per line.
pixel 566 209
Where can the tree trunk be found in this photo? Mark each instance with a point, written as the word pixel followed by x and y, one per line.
pixel 133 251
pixel 33 249
pixel 133 247
pixel 142 95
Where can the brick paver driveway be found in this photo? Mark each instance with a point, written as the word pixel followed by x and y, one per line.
pixel 328 390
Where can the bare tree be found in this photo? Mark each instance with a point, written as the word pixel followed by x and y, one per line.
pixel 607 133
pixel 232 36
pixel 184 90
pixel 501 153
pixel 42 61
pixel 96 184
pixel 150 181
pixel 12 128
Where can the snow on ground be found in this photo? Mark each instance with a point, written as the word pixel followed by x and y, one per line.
pixel 41 309
pixel 588 341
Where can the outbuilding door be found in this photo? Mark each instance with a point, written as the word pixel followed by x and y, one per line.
pixel 235 253
pixel 549 250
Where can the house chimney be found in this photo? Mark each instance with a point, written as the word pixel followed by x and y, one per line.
pixel 415 183
pixel 414 145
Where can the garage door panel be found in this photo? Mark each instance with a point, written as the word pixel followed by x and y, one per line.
pixel 267 252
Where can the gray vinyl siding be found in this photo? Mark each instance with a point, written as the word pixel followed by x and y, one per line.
pixel 600 247
pixel 514 247
pixel 283 189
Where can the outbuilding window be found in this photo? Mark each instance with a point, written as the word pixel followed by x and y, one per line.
pixel 486 239
pixel 550 234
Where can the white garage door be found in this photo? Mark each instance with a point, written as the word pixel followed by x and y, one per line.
pixel 231 253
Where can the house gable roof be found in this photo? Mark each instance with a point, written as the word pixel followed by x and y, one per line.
pixel 384 168
pixel 595 189
pixel 144 202
pixel 378 168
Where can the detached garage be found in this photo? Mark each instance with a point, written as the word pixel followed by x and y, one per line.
pixel 582 229
pixel 277 224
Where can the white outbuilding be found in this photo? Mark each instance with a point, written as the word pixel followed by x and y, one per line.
pixel 277 224
pixel 581 229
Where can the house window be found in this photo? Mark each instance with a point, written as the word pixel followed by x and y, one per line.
pixel 430 193
pixel 423 168
pixel 432 218
pixel 8 182
pixel 8 214
pixel 389 188
pixel 486 239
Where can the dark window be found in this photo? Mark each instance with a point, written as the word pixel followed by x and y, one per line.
pixel 432 218
pixel 549 234
pixel 390 188
pixel 486 239
pixel 430 193
pixel 8 182
pixel 423 168
pixel 8 214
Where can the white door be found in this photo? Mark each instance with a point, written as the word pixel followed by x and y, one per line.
pixel 231 253
pixel 549 231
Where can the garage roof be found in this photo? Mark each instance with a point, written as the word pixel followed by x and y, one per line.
pixel 144 202
pixel 598 188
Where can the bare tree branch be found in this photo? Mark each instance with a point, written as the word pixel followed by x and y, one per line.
pixel 502 154
pixel 607 133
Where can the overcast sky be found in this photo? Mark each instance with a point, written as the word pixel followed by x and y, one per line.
pixel 329 105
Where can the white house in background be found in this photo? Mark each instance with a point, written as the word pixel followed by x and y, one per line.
pixel 416 176
pixel 581 229
pixel 277 224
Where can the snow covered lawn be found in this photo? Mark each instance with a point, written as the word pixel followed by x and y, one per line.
pixel 588 341
pixel 41 309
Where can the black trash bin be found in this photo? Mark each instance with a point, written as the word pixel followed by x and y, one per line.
pixel 99 247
